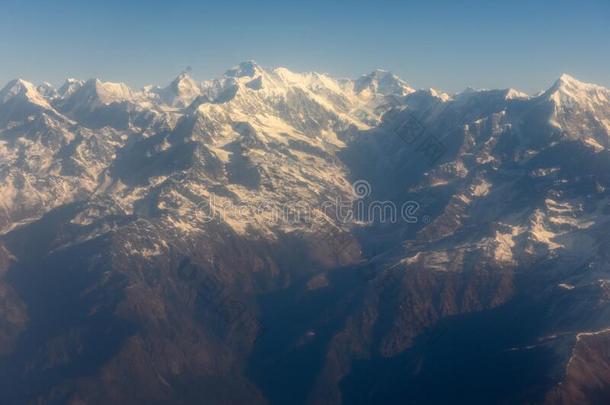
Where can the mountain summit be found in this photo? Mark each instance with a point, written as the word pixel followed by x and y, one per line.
pixel 24 90
pixel 180 92
pixel 248 68
pixel 382 82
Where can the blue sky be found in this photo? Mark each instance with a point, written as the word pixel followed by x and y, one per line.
pixel 443 44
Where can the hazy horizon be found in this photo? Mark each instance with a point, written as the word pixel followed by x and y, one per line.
pixel 199 79
pixel 441 45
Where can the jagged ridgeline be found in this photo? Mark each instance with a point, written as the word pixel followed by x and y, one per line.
pixel 280 237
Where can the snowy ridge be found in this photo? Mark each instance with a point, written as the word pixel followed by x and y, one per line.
pixel 580 109
pixel 181 92
pixel 280 108
pixel 22 89
pixel 260 128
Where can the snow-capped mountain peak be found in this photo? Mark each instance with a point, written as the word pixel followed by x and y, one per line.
pixel 506 94
pixel 180 92
pixel 70 86
pixel 382 82
pixel 47 90
pixel 92 94
pixel 23 89
pixel 580 109
pixel 248 68
pixel 184 83
pixel 568 80
pixel 515 94
pixel 569 89
pixel 109 92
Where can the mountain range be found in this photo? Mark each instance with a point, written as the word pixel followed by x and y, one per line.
pixel 279 237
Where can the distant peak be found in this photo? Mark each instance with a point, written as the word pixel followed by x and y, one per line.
pixel 70 86
pixel 71 82
pixel 567 81
pixel 507 94
pixel 567 78
pixel 568 91
pixel 181 91
pixel 382 82
pixel 183 76
pixel 380 72
pixel 22 88
pixel 568 84
pixel 515 94
pixel 249 68
pixel 468 90
pixel 106 92
pixel 182 82
pixel 47 90
pixel 15 87
pixel 92 83
pixel 21 83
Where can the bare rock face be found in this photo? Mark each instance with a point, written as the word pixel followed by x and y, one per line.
pixel 276 237
pixel 13 313
pixel 586 377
